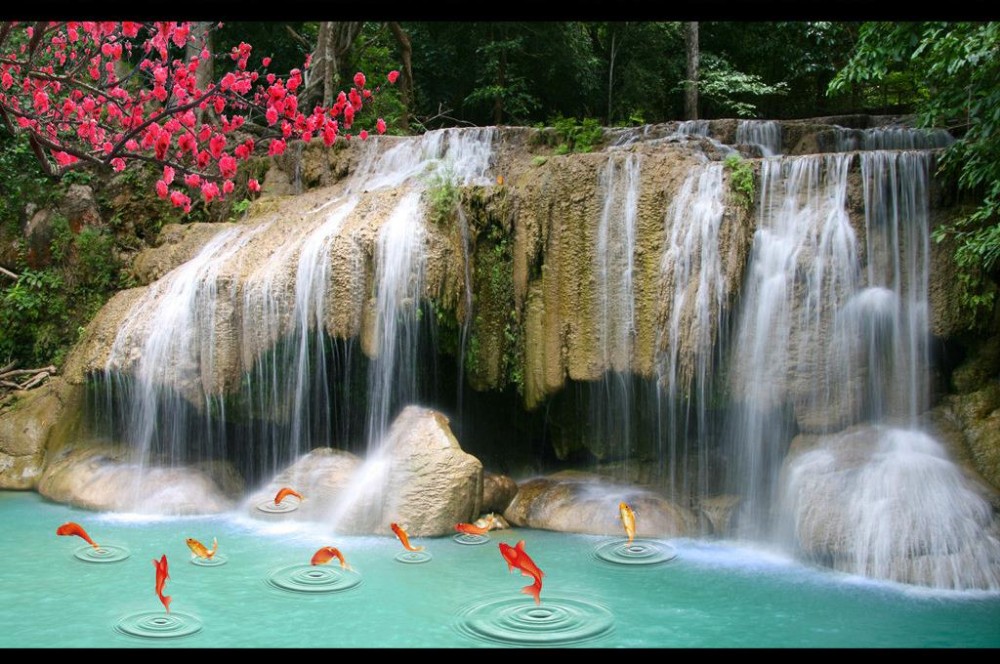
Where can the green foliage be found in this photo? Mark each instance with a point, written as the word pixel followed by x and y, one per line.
pixel 500 88
pixel 956 67
pixel 21 180
pixel 729 90
pixel 576 135
pixel 97 264
pixel 539 161
pixel 467 72
pixel 33 315
pixel 648 59
pixel 62 238
pixel 375 52
pixel 442 196
pixel 741 179
pixel 805 55
pixel 42 312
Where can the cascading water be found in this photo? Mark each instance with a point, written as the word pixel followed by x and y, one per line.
pixel 830 339
pixel 890 138
pixel 169 395
pixel 692 128
pixel 696 292
pixel 168 348
pixel 614 271
pixel 764 133
pixel 399 269
pixel 831 335
pixel 802 267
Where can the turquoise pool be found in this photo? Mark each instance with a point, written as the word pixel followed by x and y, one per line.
pixel 704 594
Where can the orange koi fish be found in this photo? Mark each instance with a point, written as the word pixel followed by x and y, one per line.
pixel 516 557
pixel 470 529
pixel 328 553
pixel 627 517
pixel 404 538
pixel 161 579
pixel 199 549
pixel 287 492
pixel 71 528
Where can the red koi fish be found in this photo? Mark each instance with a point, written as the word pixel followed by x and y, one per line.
pixel 516 557
pixel 470 529
pixel 71 528
pixel 404 538
pixel 161 579
pixel 287 492
pixel 328 553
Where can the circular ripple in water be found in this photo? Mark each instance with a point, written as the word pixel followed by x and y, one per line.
pixel 413 557
pixel 466 538
pixel 517 621
pixel 108 553
pixel 157 625
pixel 639 552
pixel 314 579
pixel 214 561
pixel 282 507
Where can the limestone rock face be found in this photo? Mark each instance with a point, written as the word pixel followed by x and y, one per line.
pixel 26 429
pixel 887 503
pixel 420 478
pixel 101 479
pixel 584 503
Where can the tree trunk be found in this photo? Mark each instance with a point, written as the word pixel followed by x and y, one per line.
pixel 333 42
pixel 206 71
pixel 406 84
pixel 691 86
pixel 611 71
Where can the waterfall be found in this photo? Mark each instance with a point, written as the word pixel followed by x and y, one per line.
pixel 695 291
pixel 392 379
pixel 833 338
pixel 764 133
pixel 614 270
pixel 802 267
pixel 890 138
pixel 692 128
pixel 167 371
pixel 167 347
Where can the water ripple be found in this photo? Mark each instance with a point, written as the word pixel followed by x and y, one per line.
pixel 639 552
pixel 518 621
pixel 158 625
pixel 306 578
pixel 413 557
pixel 107 553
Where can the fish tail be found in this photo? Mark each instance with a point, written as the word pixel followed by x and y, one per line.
pixel 215 547
pixel 535 590
pixel 166 599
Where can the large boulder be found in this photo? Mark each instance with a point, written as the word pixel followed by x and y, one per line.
pixel 26 429
pixel 419 478
pixel 888 503
pixel 579 502
pixel 498 491
pixel 103 479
